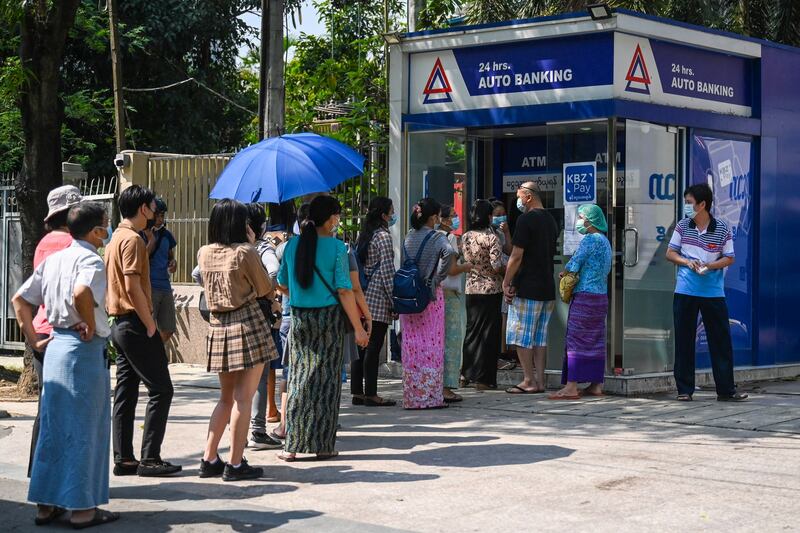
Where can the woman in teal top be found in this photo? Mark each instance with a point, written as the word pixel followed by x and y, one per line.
pixel 585 343
pixel 315 274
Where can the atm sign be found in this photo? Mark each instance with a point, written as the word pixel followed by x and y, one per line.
pixel 580 183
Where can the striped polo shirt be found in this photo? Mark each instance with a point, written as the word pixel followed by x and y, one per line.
pixel 705 247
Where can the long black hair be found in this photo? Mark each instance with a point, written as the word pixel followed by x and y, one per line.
pixel 423 210
pixel 321 209
pixel 227 223
pixel 378 206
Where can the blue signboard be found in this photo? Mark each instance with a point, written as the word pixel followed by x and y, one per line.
pixel 537 65
pixel 580 183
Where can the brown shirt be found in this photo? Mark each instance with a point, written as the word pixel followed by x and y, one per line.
pixel 126 255
pixel 232 276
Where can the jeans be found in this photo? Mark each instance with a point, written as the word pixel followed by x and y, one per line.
pixel 258 422
pixel 364 372
pixel 714 312
pixel 140 359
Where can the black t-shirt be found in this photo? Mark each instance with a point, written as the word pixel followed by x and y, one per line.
pixel 536 233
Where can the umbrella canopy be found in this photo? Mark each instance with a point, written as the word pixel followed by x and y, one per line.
pixel 281 168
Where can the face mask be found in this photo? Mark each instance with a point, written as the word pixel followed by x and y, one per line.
pixel 580 226
pixel 688 211
pixel 108 236
pixel 296 228
pixel 497 221
pixel 520 205
pixel 456 223
pixel 392 220
pixel 437 226
pixel 159 228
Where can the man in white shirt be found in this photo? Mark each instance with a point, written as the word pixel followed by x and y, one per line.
pixel 75 408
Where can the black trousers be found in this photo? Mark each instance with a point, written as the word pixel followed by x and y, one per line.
pixel 140 359
pixel 714 312
pixel 364 372
pixel 482 338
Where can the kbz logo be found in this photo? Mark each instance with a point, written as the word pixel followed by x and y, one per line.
pixel 662 187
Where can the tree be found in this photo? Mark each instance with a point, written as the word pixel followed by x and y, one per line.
pixel 44 27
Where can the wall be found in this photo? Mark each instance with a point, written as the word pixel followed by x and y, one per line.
pixel 779 197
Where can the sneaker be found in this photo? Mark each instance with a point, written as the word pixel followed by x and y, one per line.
pixel 157 468
pixel 209 469
pixel 262 441
pixel 245 471
pixel 121 469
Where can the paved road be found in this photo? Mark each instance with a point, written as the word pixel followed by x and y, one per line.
pixel 493 463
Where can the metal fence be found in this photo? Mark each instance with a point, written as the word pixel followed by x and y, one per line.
pixel 96 189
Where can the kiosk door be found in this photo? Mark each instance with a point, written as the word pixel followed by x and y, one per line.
pixel 648 217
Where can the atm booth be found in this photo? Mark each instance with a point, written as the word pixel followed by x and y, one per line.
pixel 623 112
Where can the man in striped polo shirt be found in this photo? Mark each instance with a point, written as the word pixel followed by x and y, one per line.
pixel 702 247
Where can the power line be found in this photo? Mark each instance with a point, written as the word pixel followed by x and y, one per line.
pixel 187 80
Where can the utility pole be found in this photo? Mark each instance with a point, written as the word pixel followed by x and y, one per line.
pixel 271 85
pixel 116 69
pixel 415 8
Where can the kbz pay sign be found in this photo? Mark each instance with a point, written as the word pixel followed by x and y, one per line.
pixel 580 183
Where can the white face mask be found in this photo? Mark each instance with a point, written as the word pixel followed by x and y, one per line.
pixel 107 239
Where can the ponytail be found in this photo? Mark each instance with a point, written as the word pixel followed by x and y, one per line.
pixel 423 211
pixel 319 211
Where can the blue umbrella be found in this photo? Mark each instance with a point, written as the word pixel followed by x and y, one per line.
pixel 281 168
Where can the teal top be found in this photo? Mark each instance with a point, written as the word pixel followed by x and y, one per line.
pixel 592 261
pixel 332 263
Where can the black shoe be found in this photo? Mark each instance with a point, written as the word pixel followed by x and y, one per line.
pixel 737 397
pixel 245 471
pixel 122 469
pixel 157 468
pixel 209 469
pixel 262 441
pixel 358 400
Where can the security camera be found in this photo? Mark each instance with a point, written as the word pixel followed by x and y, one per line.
pixel 122 160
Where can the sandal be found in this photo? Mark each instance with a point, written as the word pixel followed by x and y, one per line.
pixel 516 389
pixel 274 419
pixel 54 513
pixel 383 402
pixel 560 396
pixel 287 457
pixel 326 456
pixel 453 398
pixel 684 398
pixel 736 397
pixel 101 517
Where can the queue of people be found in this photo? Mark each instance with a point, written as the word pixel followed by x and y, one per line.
pixel 307 304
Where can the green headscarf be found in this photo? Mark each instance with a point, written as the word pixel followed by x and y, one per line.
pixel 594 215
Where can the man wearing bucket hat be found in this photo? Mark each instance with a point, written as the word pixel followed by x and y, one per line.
pixel 59 200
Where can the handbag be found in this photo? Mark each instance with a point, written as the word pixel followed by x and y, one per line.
pixel 348 326
pixel 567 284
pixel 202 306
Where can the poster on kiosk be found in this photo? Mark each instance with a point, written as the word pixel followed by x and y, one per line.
pixel 580 187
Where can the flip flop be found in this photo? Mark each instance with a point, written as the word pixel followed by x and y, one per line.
pixel 54 513
pixel 557 396
pixel 516 389
pixel 684 398
pixel 326 456
pixel 101 517
pixel 287 458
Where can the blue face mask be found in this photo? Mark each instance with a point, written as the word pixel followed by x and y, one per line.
pixel 456 223
pixel 392 220
pixel 107 239
pixel 520 205
pixel 688 211
pixel 497 221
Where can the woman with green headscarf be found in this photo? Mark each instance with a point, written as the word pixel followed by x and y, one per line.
pixel 585 346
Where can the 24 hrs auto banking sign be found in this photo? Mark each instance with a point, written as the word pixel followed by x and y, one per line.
pixel 576 68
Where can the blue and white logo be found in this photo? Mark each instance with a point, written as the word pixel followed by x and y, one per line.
pixel 580 183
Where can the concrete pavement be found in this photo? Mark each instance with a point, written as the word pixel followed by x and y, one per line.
pixel 495 462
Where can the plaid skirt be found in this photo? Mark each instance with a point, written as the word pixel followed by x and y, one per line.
pixel 239 339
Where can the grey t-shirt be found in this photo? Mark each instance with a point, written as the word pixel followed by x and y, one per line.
pixel 436 257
